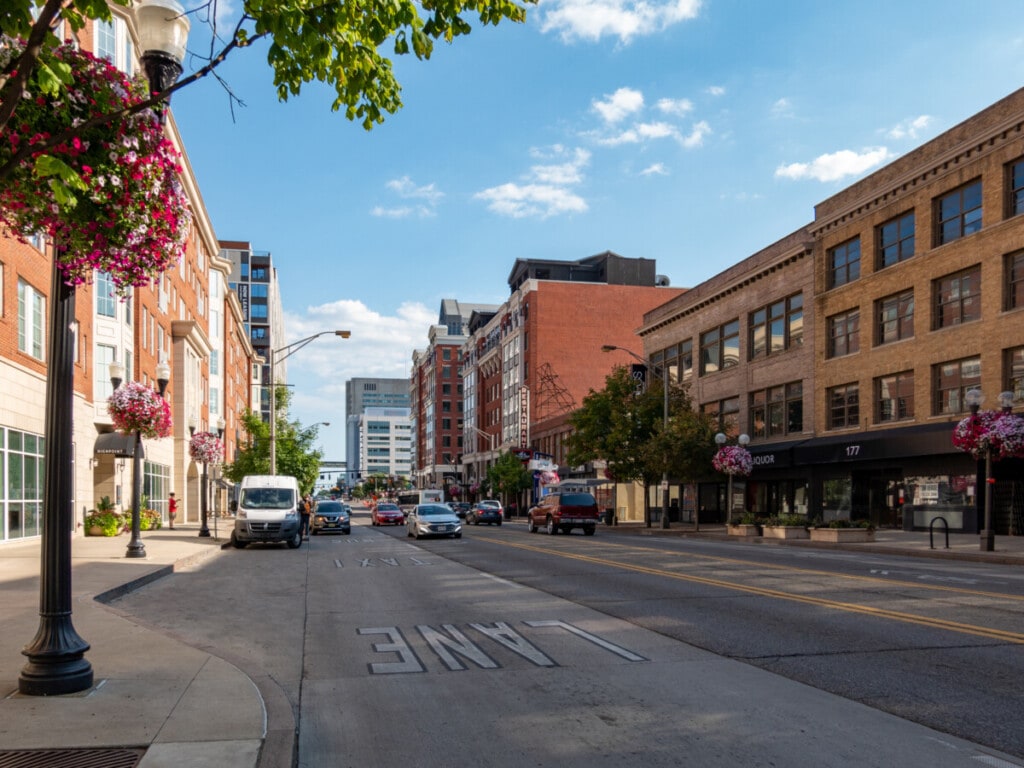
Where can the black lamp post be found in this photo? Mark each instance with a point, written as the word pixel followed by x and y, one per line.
pixel 163 376
pixel 721 439
pixel 204 529
pixel 56 655
pixel 974 399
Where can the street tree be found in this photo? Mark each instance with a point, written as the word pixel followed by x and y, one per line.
pixel 294 449
pixel 508 478
pixel 340 44
pixel 623 425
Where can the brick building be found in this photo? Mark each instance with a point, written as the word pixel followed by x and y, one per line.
pixel 915 296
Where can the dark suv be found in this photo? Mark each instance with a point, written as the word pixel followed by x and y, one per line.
pixel 563 512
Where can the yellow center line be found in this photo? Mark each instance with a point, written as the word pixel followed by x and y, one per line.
pixel 954 626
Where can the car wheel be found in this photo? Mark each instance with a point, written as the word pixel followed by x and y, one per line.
pixel 530 525
pixel 314 531
pixel 238 543
pixel 588 530
pixel 347 532
pixel 295 541
pixel 552 528
pixel 499 522
pixel 457 535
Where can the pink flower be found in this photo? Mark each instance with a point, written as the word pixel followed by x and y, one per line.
pixel 206 447
pixel 733 460
pixel 134 407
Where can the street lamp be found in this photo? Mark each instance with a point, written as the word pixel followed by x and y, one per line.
pixel 664 387
pixel 204 530
pixel 56 655
pixel 276 356
pixel 163 375
pixel 974 399
pixel 721 438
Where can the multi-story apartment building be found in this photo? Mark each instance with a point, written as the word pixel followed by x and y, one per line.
pixel 913 294
pixel 361 394
pixel 531 361
pixel 168 321
pixel 254 278
pixel 436 397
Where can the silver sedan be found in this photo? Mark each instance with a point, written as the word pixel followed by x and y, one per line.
pixel 432 520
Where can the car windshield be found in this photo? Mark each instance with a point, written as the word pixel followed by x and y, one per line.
pixel 387 508
pixel 578 500
pixel 330 506
pixel 430 510
pixel 490 503
pixel 267 498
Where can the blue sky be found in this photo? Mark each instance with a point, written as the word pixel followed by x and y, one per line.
pixel 693 132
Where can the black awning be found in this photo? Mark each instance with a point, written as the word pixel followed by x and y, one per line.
pixel 898 443
pixel 115 444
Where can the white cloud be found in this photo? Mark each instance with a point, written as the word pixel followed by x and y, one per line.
pixel 910 128
pixel 675 106
pixel 834 166
pixel 546 190
pixel 591 20
pixel 655 169
pixel 407 190
pixel 623 102
pixel 696 137
pixel 716 90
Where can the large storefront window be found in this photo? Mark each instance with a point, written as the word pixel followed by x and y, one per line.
pixel 21 465
pixel 927 497
pixel 156 484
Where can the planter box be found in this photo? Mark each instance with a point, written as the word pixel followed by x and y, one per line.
pixel 743 529
pixel 785 532
pixel 842 535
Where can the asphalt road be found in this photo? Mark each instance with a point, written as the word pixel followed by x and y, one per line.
pixel 506 649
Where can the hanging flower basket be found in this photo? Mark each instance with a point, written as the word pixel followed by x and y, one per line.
pixel 454 491
pixel 206 447
pixel 548 478
pixel 1000 432
pixel 110 197
pixel 134 407
pixel 733 460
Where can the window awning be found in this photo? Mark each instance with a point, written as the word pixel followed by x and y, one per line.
pixel 115 444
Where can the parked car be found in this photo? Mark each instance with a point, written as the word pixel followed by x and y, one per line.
pixel 329 515
pixel 563 512
pixel 460 508
pixel 489 512
pixel 386 513
pixel 432 520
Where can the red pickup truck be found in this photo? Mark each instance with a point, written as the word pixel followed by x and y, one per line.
pixel 563 512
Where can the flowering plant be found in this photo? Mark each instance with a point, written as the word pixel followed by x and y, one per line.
pixel 134 407
pixel 454 491
pixel 109 197
pixel 1000 432
pixel 206 447
pixel 733 460
pixel 474 488
pixel 548 478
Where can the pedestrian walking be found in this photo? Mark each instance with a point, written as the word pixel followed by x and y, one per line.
pixel 172 509
pixel 305 509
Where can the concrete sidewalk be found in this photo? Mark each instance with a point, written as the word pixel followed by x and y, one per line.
pixel 153 697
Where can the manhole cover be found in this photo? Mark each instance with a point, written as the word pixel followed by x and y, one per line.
pixel 117 757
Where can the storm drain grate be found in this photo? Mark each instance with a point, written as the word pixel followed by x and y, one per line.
pixel 109 757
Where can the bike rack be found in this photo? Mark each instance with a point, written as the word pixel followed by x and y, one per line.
pixel 931 525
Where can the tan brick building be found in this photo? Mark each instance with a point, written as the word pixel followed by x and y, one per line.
pixel 915 296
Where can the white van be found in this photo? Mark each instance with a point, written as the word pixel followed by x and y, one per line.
pixel 267 511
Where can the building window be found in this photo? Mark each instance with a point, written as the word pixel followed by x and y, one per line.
pixel 777 410
pixel 24 462
pixel 843 406
pixel 895 317
pixel 844 263
pixel 105 355
pixel 958 298
pixel 896 240
pixel 31 320
pixel 1015 188
pixel 844 333
pixel 1014 281
pixel 951 382
pixel 446 354
pixel 776 327
pixel 106 303
pixel 720 348
pixel 1015 373
pixel 725 412
pixel 894 397
pixel 959 213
